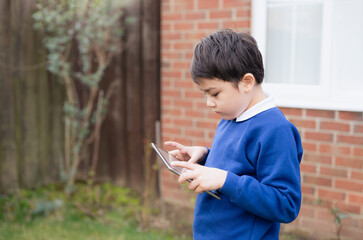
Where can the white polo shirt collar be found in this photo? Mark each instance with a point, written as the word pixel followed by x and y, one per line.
pixel 262 106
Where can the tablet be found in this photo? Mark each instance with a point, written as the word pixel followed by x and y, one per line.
pixel 168 158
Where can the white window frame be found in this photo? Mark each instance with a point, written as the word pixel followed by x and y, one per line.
pixel 326 95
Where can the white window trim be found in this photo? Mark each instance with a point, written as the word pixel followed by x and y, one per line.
pixel 324 96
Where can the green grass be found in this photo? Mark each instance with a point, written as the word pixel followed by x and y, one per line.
pixel 116 219
pixel 75 226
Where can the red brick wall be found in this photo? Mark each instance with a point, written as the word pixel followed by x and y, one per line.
pixel 332 167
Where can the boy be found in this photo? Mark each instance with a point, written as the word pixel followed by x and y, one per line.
pixel 255 156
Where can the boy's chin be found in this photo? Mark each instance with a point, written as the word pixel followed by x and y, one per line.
pixel 228 118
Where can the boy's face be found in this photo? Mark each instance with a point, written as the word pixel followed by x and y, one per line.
pixel 224 98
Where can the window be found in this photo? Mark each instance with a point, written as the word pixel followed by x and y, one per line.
pixel 313 52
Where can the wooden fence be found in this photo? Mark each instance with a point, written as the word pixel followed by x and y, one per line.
pixel 31 101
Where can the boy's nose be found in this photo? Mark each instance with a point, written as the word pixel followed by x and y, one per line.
pixel 210 103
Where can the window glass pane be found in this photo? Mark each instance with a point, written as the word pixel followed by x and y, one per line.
pixel 293 49
pixel 308 44
pixel 279 43
pixel 348 44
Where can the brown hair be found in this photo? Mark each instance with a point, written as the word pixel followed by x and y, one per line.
pixel 228 56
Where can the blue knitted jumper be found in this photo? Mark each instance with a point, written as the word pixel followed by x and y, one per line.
pixel 262 155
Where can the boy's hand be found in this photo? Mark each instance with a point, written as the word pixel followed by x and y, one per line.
pixel 187 153
pixel 204 178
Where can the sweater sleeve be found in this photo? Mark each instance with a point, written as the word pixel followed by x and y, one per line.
pixel 274 192
pixel 202 162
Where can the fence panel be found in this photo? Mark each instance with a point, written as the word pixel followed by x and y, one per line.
pixel 31 101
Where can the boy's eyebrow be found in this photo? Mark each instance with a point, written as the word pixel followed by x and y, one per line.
pixel 208 89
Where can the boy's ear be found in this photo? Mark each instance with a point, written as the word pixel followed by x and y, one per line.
pixel 247 82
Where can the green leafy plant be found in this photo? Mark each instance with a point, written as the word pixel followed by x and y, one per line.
pixel 81 38
pixel 28 204
pixel 336 213
pixel 150 173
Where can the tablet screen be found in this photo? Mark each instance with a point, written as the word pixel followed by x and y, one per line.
pixel 167 159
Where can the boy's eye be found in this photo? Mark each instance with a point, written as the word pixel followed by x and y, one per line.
pixel 215 94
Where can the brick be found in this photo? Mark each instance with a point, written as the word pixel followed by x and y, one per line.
pixel 350 139
pixel 183 122
pixel 348 185
pixel 320 113
pixel 195 16
pixel 358 128
pixel 171 74
pixel 323 227
pixel 183 45
pixel 358 151
pixel 321 181
pixel 352 116
pixel 334 149
pixel 243 13
pixel 355 198
pixel 310 168
pixel 195 36
pixel 184 26
pixel 165 65
pixel 303 123
pixel 194 113
pixel 220 14
pixel 292 111
pixel 350 221
pixel 328 171
pixel 184 103
pixel 349 162
pixel 171 111
pixel 310 157
pixel 237 25
pixel 165 17
pixel 204 124
pixel 165 27
pixel 184 84
pixel 327 137
pixel 190 94
pixel 324 214
pixel 208 4
pixel 170 55
pixel 194 133
pixel 348 208
pixel 308 200
pixel 184 5
pixel 208 25
pixel 171 36
pixel 331 195
pixel 309 147
pixel 236 4
pixel 170 93
pixel 356 175
pixel 335 126
pixel 171 130
pixel 205 143
pixel 181 65
pixel 307 211
pixel 307 190
pixel 351 233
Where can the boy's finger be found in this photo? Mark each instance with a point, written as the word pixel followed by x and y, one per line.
pixel 174 144
pixel 189 176
pixel 175 154
pixel 193 160
pixel 187 165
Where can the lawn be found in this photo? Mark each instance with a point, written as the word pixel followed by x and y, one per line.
pixel 33 215
pixel 74 226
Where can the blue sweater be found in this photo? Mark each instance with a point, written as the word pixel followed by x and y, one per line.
pixel 262 189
